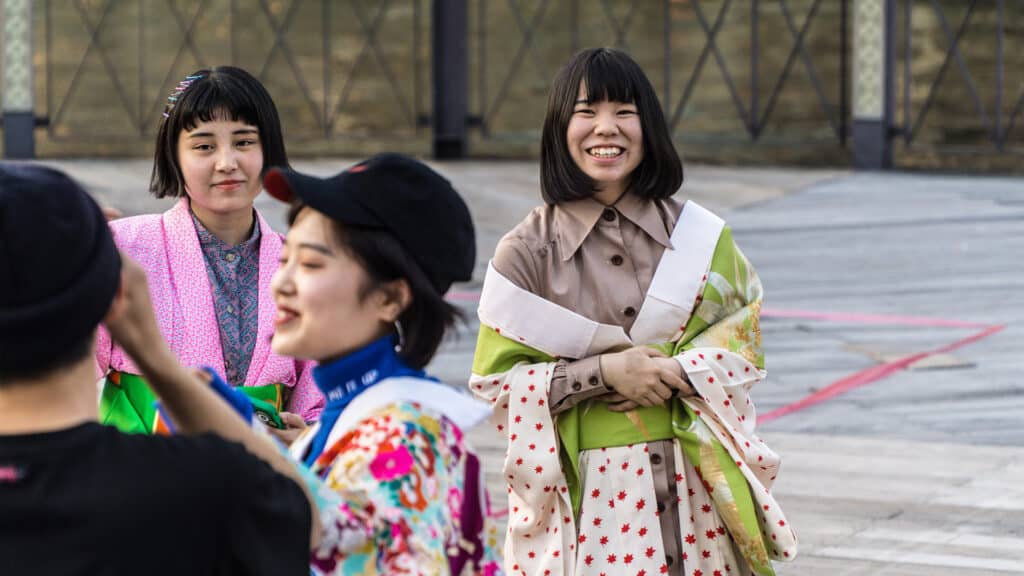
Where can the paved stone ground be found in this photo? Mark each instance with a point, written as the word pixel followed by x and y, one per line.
pixel 921 472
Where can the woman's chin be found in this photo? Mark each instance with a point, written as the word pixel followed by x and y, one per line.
pixel 285 345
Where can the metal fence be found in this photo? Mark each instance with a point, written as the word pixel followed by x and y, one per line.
pixel 679 45
pixel 961 88
pixel 339 70
pixel 739 80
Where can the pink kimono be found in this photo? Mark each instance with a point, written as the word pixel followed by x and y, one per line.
pixel 167 247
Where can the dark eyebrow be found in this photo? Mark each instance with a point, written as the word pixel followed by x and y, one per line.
pixel 235 133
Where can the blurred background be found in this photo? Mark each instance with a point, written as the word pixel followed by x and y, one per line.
pixel 741 81
pixel 868 154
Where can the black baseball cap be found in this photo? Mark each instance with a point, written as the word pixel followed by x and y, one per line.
pixel 401 195
pixel 59 267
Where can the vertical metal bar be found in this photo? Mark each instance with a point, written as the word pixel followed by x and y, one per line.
pixel 844 72
pixel 667 63
pixel 49 67
pixel 482 76
pixel 754 125
pixel 450 77
pixel 997 125
pixel 140 63
pixel 231 30
pixel 908 57
pixel 325 15
pixel 574 26
pixel 417 97
pixel 889 83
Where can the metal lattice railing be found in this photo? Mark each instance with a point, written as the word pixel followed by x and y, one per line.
pixel 994 124
pixel 127 43
pixel 752 105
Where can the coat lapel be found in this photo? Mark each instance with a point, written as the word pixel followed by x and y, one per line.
pixel 196 320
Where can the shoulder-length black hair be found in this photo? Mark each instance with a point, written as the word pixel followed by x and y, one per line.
pixel 611 75
pixel 427 317
pixel 223 92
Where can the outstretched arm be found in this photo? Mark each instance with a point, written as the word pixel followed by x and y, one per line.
pixel 193 406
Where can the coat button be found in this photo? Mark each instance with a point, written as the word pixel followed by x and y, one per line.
pixel 576 386
pixel 617 260
pixel 608 215
pixel 661 507
pixel 629 311
pixel 593 381
pixel 655 459
pixel 668 560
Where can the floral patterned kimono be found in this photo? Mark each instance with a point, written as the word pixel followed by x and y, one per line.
pixel 583 496
pixel 400 491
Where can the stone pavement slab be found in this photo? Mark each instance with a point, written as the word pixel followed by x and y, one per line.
pixel 919 473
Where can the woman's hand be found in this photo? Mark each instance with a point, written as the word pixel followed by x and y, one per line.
pixel 645 390
pixel 294 427
pixel 635 374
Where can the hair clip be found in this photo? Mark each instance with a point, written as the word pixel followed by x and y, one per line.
pixel 178 91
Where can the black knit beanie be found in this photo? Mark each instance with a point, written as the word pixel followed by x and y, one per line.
pixel 59 268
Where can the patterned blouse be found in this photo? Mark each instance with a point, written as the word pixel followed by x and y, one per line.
pixel 234 277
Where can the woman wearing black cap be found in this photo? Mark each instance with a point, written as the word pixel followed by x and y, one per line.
pixel 367 260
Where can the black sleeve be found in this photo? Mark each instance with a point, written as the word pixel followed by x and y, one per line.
pixel 267 524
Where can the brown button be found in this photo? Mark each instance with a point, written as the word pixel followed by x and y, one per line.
pixel 655 459
pixel 661 506
pixel 629 311
pixel 616 260
pixel 668 560
pixel 608 214
pixel 593 380
pixel 576 386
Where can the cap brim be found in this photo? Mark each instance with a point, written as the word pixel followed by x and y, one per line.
pixel 286 184
pixel 321 194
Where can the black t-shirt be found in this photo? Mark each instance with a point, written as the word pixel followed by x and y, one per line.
pixel 90 500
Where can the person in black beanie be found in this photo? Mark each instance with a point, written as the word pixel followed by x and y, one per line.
pixel 71 490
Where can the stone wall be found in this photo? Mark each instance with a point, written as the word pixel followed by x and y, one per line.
pixel 344 91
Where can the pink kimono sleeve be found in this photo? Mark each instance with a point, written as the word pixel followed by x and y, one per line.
pixel 306 399
pixel 104 351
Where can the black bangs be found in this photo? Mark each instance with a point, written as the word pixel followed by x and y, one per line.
pixel 221 98
pixel 609 78
pixel 608 75
pixel 220 93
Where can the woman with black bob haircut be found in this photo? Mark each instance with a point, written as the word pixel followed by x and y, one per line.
pixel 221 93
pixel 608 75
pixel 368 257
pixel 619 338
pixel 209 259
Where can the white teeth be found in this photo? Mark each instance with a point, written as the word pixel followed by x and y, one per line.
pixel 605 151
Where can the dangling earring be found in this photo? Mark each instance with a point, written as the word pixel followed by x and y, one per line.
pixel 401 336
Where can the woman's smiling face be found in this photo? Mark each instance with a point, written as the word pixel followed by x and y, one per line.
pixel 605 140
pixel 324 310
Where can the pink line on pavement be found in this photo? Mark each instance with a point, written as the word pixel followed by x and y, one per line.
pixel 853 381
pixel 870 375
pixel 870 318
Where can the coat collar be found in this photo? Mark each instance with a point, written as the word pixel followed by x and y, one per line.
pixel 574 220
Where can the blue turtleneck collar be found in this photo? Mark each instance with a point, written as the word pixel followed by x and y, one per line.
pixel 343 379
